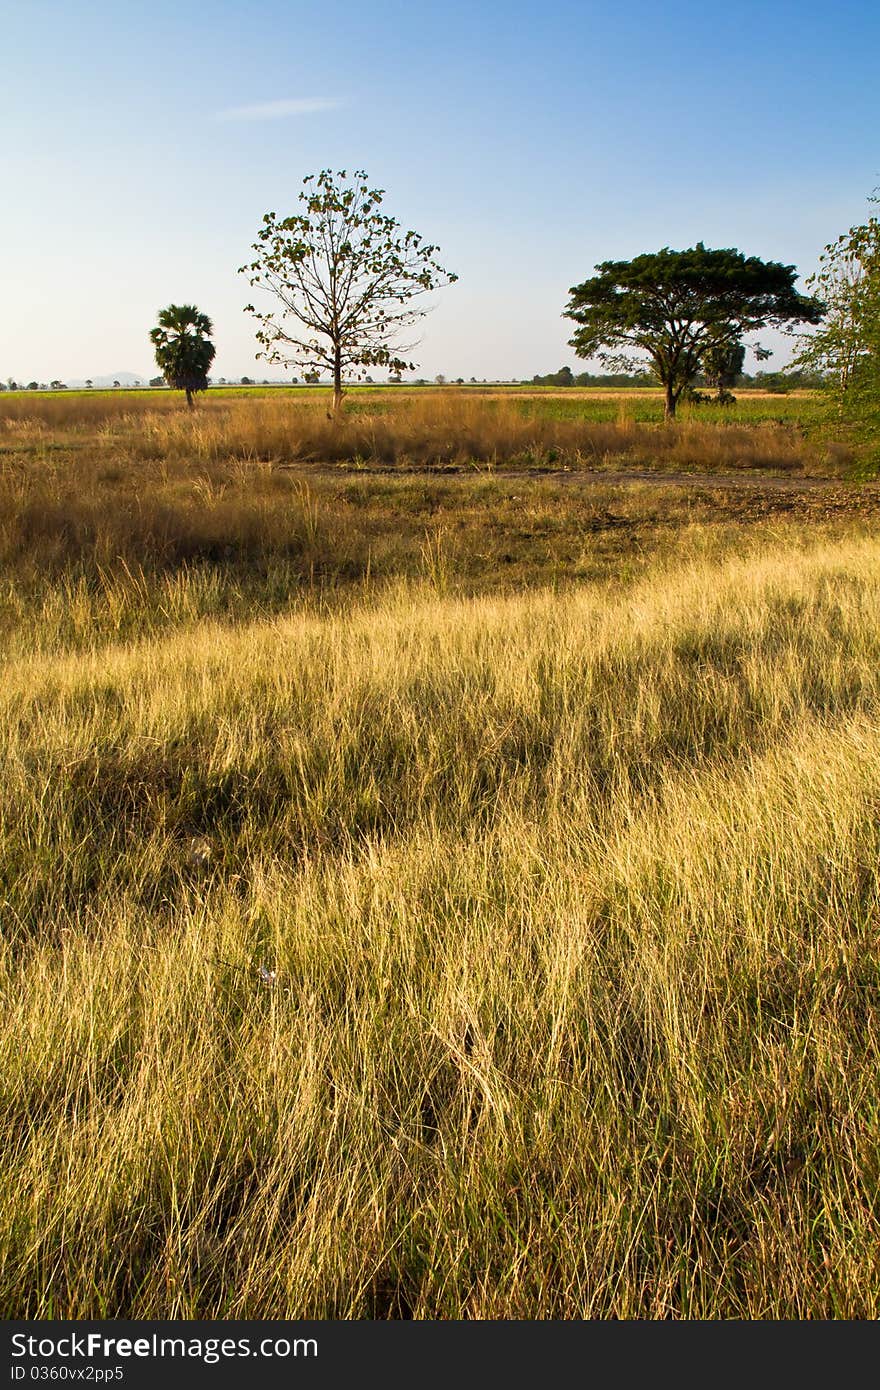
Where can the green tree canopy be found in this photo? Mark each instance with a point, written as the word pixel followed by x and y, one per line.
pixel 674 306
pixel 183 348
pixel 345 276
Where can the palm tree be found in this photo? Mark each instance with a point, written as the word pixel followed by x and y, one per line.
pixel 183 349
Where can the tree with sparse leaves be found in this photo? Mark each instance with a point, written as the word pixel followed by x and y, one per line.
pixel 674 306
pixel 848 279
pixel 183 348
pixel 846 349
pixel 345 276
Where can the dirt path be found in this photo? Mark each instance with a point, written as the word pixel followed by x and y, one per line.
pixel 760 482
pixel 751 480
pixel 746 479
pixel 744 496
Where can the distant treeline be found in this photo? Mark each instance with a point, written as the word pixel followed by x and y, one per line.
pixel 760 381
pixel 566 377
pixel 780 381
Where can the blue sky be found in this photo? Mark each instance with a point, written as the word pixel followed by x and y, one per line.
pixel 530 141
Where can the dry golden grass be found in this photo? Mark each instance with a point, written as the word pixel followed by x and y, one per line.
pixel 498 957
pixel 435 429
pixel 438 430
pixel 127 513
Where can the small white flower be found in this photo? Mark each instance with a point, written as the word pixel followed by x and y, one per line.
pixel 266 975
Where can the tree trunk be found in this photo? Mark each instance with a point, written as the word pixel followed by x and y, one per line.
pixel 671 402
pixel 189 398
pixel 337 383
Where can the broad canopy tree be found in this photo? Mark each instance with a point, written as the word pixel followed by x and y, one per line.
pixel 678 306
pixel 183 348
pixel 345 276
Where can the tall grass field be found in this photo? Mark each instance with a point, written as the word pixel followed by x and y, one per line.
pixel 434 887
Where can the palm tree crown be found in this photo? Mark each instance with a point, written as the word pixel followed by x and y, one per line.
pixel 183 348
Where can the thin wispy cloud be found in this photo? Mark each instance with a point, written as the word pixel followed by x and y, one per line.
pixel 275 110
